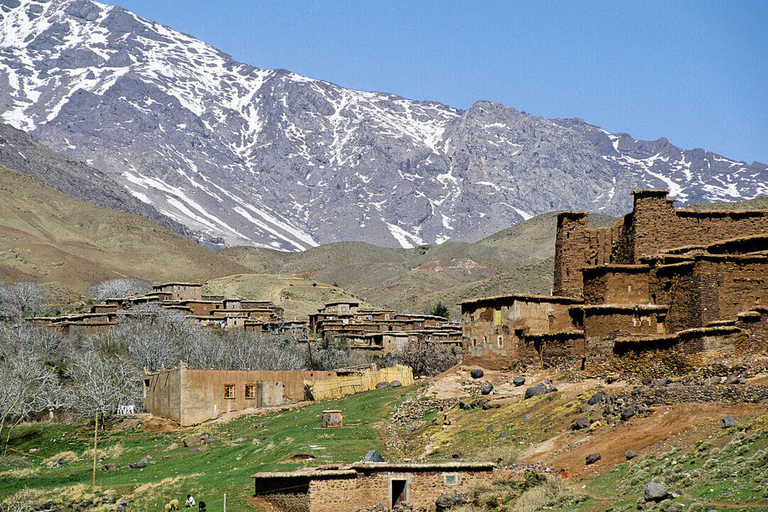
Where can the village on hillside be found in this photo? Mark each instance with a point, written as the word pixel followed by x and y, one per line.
pixel 670 301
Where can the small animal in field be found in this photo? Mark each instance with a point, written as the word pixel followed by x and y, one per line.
pixel 172 505
pixel 201 506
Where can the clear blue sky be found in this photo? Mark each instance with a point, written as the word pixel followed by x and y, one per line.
pixel 695 72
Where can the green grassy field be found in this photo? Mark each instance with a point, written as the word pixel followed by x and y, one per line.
pixel 246 445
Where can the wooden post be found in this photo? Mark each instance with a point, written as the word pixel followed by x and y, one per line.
pixel 225 502
pixel 95 441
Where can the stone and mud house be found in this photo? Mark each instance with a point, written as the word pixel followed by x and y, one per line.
pixel 367 485
pixel 379 331
pixel 659 281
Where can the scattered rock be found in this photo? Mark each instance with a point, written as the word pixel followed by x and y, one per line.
pixel 671 509
pixel 647 381
pixel 457 455
pixel 592 458
pixel 630 454
pixel 486 390
pixel 611 378
pixel 519 381
pixel 595 425
pixel 489 428
pixel 477 373
pixel 583 408
pixel 109 467
pixel 729 421
pixel 191 440
pixel 732 379
pixel 395 384
pixel 141 464
pixel 596 398
pixel 122 506
pixel 655 491
pixel 85 505
pixel 627 412
pixel 172 446
pixel 579 423
pixel 382 385
pixel 537 390
pixel 450 501
pixel 210 440
pixel 659 383
pixel 193 450
pixel 490 406
pixel 502 435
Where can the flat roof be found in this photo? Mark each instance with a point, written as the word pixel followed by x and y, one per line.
pixel 527 298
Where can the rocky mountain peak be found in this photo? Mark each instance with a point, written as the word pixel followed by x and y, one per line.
pixel 271 158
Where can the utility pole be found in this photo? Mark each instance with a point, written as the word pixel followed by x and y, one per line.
pixel 95 441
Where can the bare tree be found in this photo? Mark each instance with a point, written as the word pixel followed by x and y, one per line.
pixel 427 358
pixel 24 385
pixel 119 288
pixel 102 383
pixel 20 300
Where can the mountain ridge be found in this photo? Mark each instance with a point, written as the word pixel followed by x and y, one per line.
pixel 273 159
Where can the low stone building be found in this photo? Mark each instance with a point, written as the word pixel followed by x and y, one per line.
pixel 368 485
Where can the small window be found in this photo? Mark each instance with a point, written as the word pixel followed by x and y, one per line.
pixel 500 341
pixel 229 391
pixel 250 391
pixel 451 478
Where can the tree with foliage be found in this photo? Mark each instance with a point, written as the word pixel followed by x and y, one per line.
pixel 439 309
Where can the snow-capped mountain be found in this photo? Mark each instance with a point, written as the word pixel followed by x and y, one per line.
pixel 271 158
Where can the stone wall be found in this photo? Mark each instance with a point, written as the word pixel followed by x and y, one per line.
pixel 493 325
pixel 421 488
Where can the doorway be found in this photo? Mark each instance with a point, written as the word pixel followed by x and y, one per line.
pixel 399 489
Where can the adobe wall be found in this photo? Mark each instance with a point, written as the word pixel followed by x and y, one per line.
pixel 162 394
pixel 371 488
pixel 654 225
pixel 577 246
pixel 617 284
pixel 193 396
pixel 551 349
pixel 659 226
pixel 628 319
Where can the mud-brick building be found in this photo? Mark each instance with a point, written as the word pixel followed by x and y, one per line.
pixel 190 397
pixel 518 326
pixel 368 484
pixel 658 280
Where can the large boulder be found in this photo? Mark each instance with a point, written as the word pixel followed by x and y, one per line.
pixel 579 423
pixel 627 412
pixel 729 421
pixel 450 501
pixel 477 373
pixel 486 390
pixel 519 381
pixel 192 440
pixel 655 491
pixel 596 398
pixel 537 390
pixel 630 454
pixel 592 458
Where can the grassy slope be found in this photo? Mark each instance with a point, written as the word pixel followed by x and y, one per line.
pixel 270 441
pixel 68 244
pixel 730 463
